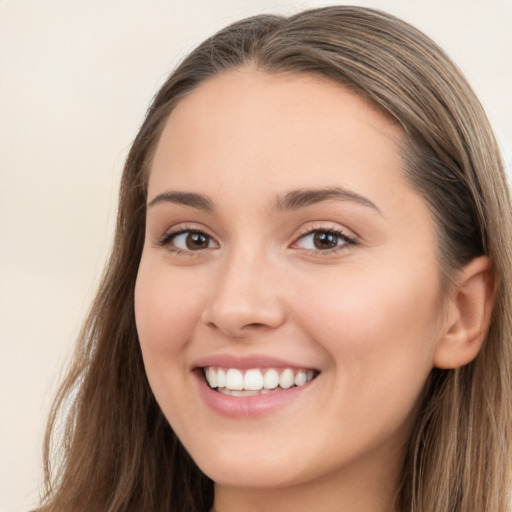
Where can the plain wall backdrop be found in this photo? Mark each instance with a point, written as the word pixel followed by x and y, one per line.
pixel 75 80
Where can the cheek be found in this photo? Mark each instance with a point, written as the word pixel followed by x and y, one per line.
pixel 166 310
pixel 378 327
pixel 382 347
pixel 166 314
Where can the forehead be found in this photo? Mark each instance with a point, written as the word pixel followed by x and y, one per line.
pixel 247 122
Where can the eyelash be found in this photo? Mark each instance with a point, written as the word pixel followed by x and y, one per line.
pixel 346 240
pixel 167 238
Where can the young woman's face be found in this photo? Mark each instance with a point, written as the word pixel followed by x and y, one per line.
pixel 284 247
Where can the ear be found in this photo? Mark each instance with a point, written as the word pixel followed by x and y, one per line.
pixel 467 315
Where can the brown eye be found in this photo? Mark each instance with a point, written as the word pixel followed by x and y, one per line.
pixel 187 241
pixel 196 241
pixel 325 240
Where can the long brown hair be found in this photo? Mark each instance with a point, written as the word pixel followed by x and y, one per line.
pixel 115 451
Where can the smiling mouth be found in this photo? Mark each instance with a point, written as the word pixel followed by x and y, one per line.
pixel 255 381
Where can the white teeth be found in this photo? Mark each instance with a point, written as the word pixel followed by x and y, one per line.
pixel 235 382
pixel 286 379
pixel 221 378
pixel 212 377
pixel 234 379
pixel 226 391
pixel 253 380
pixel 271 379
pixel 300 378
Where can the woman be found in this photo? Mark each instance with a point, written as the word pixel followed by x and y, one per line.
pixel 308 302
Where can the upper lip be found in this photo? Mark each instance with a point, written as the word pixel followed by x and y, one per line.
pixel 246 362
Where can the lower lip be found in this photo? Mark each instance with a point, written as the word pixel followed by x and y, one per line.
pixel 249 406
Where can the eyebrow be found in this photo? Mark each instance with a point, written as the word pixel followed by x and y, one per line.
pixel 197 201
pixel 292 200
pixel 305 197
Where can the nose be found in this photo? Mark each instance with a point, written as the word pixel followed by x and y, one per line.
pixel 245 297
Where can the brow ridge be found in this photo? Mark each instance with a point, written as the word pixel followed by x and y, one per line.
pixel 292 200
pixel 302 198
pixel 191 199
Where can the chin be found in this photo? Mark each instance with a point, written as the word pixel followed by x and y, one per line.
pixel 251 472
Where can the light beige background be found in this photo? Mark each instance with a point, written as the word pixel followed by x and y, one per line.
pixel 75 80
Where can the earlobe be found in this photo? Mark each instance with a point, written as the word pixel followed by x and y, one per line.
pixel 468 315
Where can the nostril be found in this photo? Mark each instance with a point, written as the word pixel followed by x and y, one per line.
pixel 241 331
pixel 251 326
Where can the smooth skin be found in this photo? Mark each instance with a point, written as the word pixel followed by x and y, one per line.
pixel 240 271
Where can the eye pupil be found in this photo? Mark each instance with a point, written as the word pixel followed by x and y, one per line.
pixel 197 241
pixel 325 240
